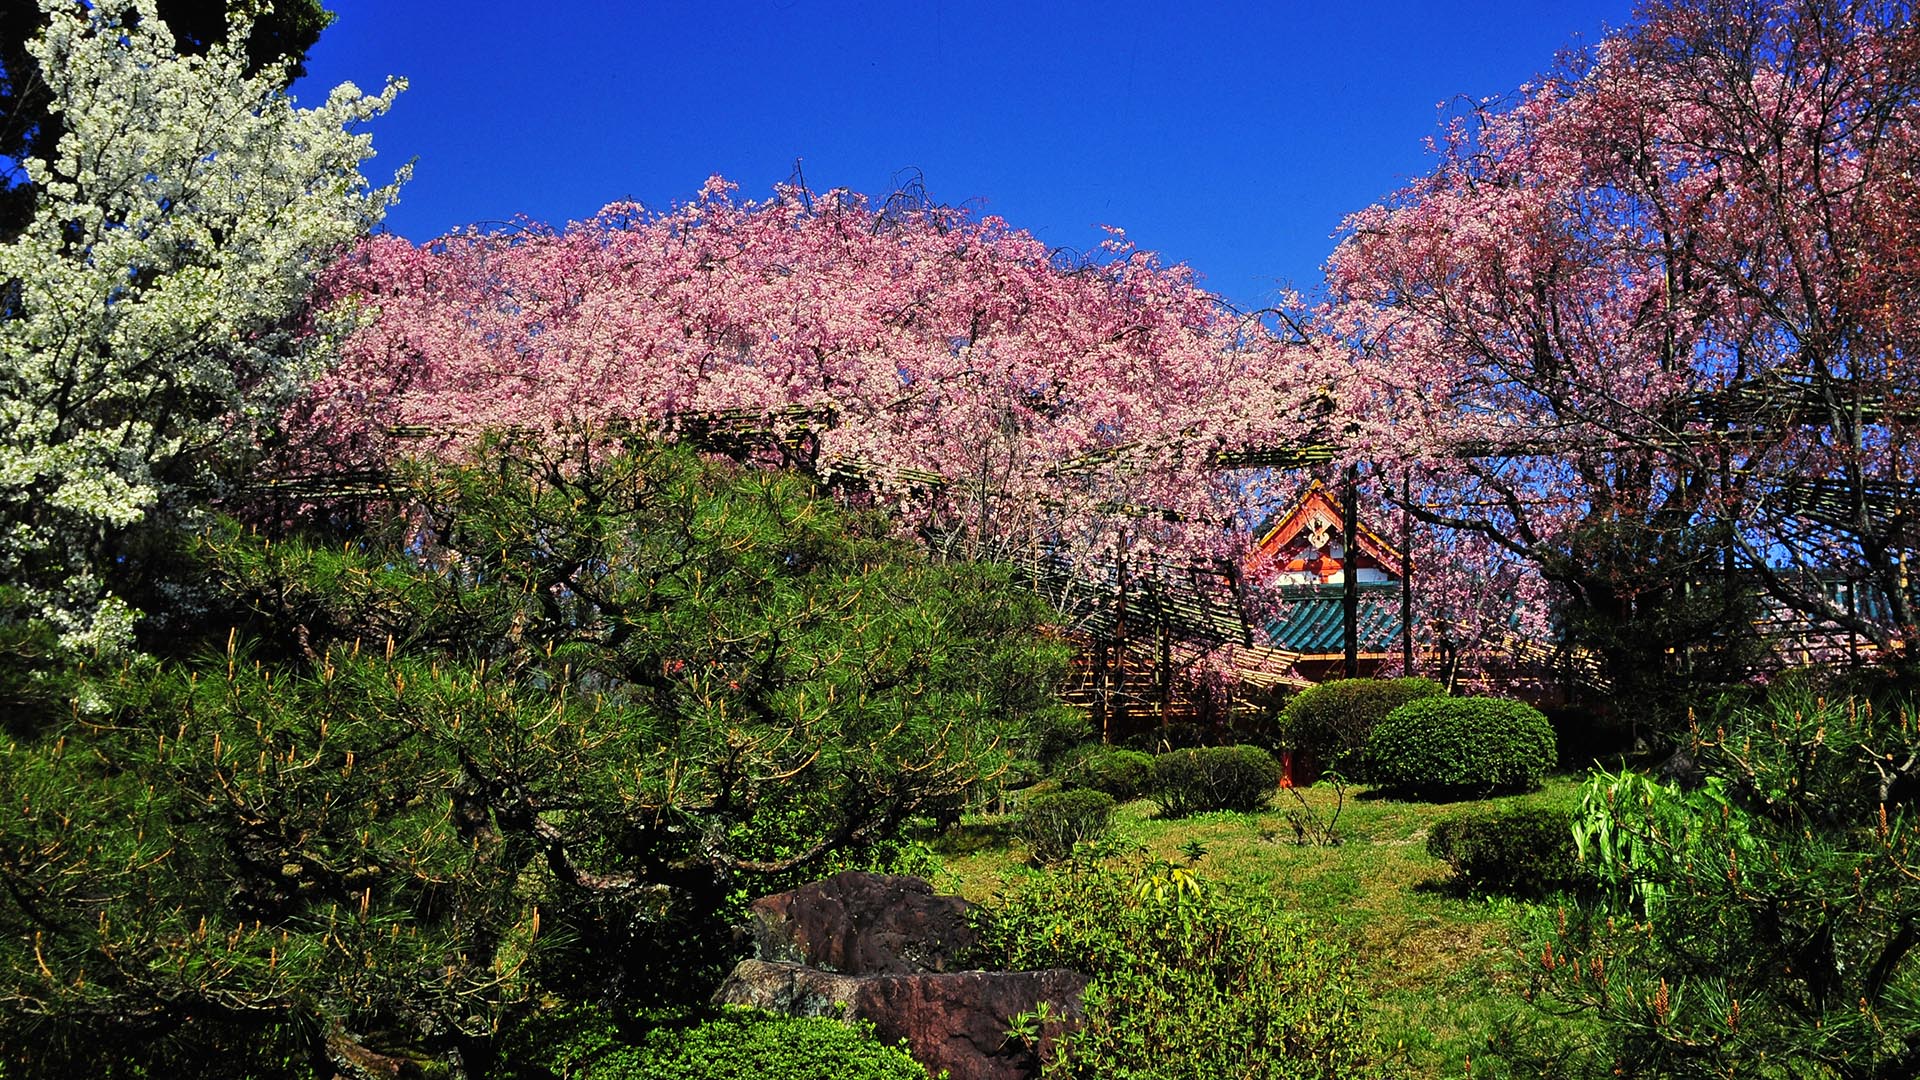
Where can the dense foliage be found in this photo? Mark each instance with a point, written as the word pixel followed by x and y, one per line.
pixel 1326 725
pixel 155 308
pixel 1054 823
pixel 538 730
pixel 1523 851
pixel 1190 980
pixel 1443 746
pixel 1207 778
pixel 1763 923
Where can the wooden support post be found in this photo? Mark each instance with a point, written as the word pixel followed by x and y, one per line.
pixel 1350 589
pixel 1572 674
pixel 1102 715
pixel 1406 573
pixel 1117 709
pixel 1853 632
pixel 1166 665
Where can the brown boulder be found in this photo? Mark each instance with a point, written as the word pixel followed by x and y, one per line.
pixel 863 924
pixel 955 1021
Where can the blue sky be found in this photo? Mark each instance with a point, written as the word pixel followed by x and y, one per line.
pixel 1231 137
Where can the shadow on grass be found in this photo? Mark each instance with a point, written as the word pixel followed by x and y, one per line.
pixel 1454 887
pixel 1451 887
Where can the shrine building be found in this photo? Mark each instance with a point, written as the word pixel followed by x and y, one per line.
pixel 1299 566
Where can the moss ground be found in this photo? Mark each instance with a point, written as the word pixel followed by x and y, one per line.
pixel 1441 966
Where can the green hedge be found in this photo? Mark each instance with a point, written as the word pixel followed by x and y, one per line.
pixel 1054 822
pixel 1213 778
pixel 1460 746
pixel 1326 726
pixel 1527 851
pixel 1054 735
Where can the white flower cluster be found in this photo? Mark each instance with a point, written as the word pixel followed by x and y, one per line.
pixel 149 314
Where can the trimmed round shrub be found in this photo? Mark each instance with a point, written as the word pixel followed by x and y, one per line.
pixel 1121 773
pixel 1327 726
pixel 1213 778
pixel 1444 746
pixel 1053 822
pixel 1526 851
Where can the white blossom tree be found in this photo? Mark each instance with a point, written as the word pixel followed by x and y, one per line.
pixel 154 313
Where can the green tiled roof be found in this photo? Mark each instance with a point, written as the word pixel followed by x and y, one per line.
pixel 1310 619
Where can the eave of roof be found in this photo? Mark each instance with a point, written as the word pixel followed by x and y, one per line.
pixel 1315 623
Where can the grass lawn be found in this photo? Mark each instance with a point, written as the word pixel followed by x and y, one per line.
pixel 1438 964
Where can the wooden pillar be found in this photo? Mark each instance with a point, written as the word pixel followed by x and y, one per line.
pixel 1350 585
pixel 1406 573
pixel 1853 632
pixel 1572 672
pixel 1117 709
pixel 1101 714
pixel 1166 664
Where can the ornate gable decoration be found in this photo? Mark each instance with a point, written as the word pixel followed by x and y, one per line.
pixel 1319 531
pixel 1304 547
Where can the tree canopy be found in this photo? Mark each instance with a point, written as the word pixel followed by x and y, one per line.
pixel 155 310
pixel 1637 327
pixel 541 732
pixel 278 36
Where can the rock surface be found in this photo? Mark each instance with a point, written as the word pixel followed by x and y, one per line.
pixel 883 948
pixel 863 924
pixel 955 1021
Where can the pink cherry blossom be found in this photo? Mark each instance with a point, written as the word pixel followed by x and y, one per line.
pixel 981 383
pixel 1597 319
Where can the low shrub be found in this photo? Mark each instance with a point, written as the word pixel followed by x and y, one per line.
pixel 1121 773
pixel 1526 852
pixel 1444 746
pixel 1053 822
pixel 586 1043
pixel 1189 980
pixel 1326 726
pixel 1194 781
pixel 771 1048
